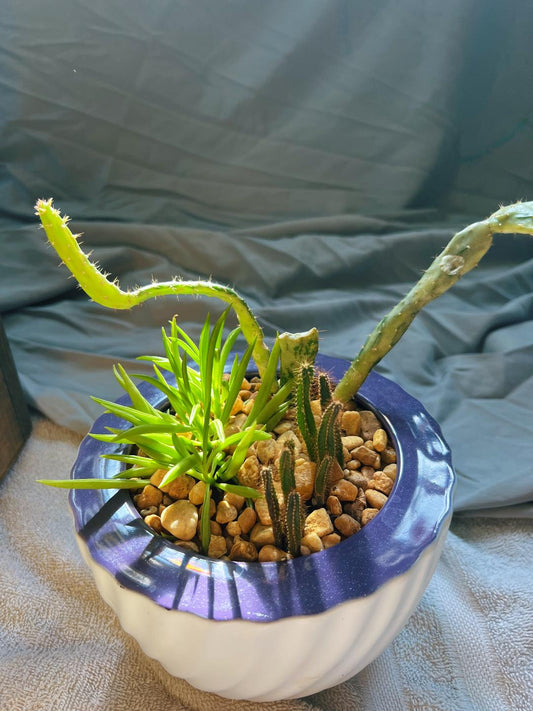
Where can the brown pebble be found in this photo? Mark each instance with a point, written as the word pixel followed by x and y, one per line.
pixel 388 455
pixel 351 442
pixel 351 422
pixel 271 554
pixel 150 510
pixel 368 515
pixel 196 493
pixel 235 500
pixel 226 512
pixel 149 496
pixel 375 499
pixel 319 522
pixel 344 490
pixel 334 506
pixel 180 519
pixel 247 519
pixel 216 528
pixel 353 464
pixel 381 482
pixel 367 456
pixel 217 547
pixel 369 424
pixel 390 470
pixel 347 525
pixel 261 535
pixel 358 479
pixel 261 509
pixel 379 440
pixel 154 521
pixel 313 542
pixel 233 528
pixel 243 550
pixel 332 539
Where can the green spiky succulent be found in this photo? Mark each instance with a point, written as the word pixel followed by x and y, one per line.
pixel 191 435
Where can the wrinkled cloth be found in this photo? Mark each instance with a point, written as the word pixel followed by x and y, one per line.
pixel 468 645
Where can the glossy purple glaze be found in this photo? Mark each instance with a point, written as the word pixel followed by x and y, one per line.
pixel 418 506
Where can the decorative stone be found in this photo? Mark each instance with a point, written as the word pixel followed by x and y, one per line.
pixel 358 480
pixel 351 442
pixel 154 521
pixel 235 500
pixel 318 522
pixel 261 508
pixel 196 494
pixel 216 528
pixel 233 528
pixel 367 456
pixel 248 474
pixel 380 440
pixel 388 455
pixel 290 436
pixel 270 554
pixel 369 424
pixel 344 490
pixel 390 470
pixel 351 422
pixel 267 450
pixel 217 547
pixel 247 519
pixel 313 542
pixel 180 519
pixel 226 512
pixel 332 539
pixel 368 515
pixel 304 475
pixel 334 506
pixel 381 482
pixel 375 499
pixel 347 525
pixel 261 535
pixel 149 496
pixel 243 550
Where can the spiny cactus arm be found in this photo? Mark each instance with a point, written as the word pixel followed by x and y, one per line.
pixel 463 253
pixel 107 293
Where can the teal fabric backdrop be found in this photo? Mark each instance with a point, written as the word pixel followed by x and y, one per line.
pixel 315 154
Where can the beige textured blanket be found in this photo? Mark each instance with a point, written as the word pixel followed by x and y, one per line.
pixel 468 646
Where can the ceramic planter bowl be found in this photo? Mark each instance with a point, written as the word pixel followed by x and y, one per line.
pixel 267 631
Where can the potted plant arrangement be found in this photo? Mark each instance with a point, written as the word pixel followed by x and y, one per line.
pixel 246 515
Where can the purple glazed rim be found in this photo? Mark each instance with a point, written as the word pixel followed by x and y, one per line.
pixel 419 505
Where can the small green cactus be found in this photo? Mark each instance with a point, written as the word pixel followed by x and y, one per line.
pixel 322 479
pixel 274 508
pixel 294 522
pixel 325 390
pixel 286 469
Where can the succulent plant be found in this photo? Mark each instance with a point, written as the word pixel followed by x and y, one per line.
pixel 190 438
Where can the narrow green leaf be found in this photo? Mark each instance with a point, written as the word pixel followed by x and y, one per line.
pixel 94 483
pixel 247 491
pixel 237 375
pixel 267 384
pixel 180 468
pixel 205 526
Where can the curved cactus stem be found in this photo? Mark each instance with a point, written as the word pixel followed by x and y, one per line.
pixel 107 293
pixel 463 253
